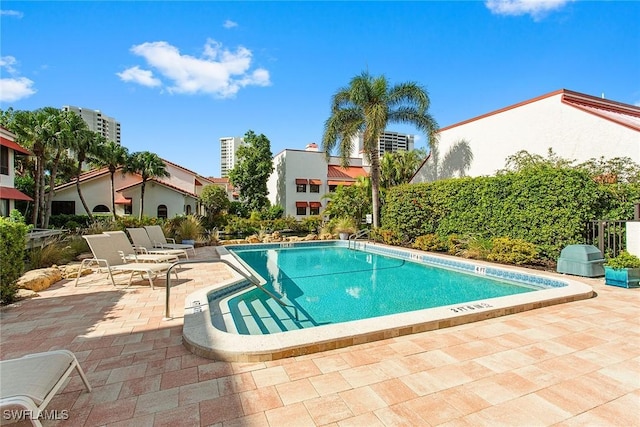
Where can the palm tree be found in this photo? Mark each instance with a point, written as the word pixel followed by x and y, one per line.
pixel 148 165
pixel 84 145
pixel 111 155
pixel 368 105
pixel 398 167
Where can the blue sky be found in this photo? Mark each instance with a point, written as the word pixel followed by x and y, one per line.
pixel 180 75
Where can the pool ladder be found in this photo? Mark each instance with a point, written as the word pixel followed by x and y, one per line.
pixel 356 236
pixel 250 277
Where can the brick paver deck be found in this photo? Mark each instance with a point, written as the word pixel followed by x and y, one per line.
pixel 575 364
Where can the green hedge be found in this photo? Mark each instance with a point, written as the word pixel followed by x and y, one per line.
pixel 546 206
pixel 13 237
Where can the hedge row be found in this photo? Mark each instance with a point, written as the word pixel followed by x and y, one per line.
pixel 546 206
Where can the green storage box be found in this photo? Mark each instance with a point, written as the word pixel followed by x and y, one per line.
pixel 581 260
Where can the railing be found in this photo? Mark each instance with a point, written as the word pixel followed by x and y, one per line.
pixel 356 236
pixel 40 237
pixel 252 279
pixel 608 236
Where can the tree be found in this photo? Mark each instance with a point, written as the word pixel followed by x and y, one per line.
pixel 368 105
pixel 215 200
pixel 83 143
pixel 350 201
pixel 147 165
pixel 398 167
pixel 111 155
pixel 252 171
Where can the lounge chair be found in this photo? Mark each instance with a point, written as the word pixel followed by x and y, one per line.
pixel 160 241
pixel 30 382
pixel 142 241
pixel 106 254
pixel 129 253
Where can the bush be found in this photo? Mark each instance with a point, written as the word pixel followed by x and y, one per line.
pixel 546 206
pixel 512 251
pixel 623 260
pixel 430 242
pixel 13 235
pixel 389 237
pixel 57 252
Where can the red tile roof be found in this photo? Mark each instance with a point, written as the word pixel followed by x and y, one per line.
pixel 10 193
pixel 350 172
pixel 14 146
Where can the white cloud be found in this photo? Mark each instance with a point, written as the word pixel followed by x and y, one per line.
pixel 219 71
pixel 15 13
pixel 229 24
pixel 536 8
pixel 15 87
pixel 140 76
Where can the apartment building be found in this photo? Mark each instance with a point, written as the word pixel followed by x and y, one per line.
pixel 388 142
pixel 301 179
pixel 98 122
pixel 228 147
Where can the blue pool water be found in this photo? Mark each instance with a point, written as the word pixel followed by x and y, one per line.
pixel 333 284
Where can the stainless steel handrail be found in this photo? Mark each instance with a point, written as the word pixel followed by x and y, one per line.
pixel 356 236
pixel 251 278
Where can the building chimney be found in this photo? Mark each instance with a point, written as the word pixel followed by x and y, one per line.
pixel 312 146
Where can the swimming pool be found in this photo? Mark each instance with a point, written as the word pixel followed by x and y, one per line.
pixel 334 284
pixel 211 331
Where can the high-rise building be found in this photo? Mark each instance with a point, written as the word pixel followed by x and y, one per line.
pixel 98 122
pixel 228 147
pixel 387 142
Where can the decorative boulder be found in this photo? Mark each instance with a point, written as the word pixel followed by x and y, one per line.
pixel 70 271
pixel 40 279
pixel 311 237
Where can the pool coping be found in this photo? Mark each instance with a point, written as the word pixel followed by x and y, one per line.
pixel 205 340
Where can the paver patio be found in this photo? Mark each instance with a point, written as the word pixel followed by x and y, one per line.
pixel 576 364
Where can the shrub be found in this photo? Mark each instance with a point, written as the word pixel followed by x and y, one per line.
pixel 389 237
pixel 56 252
pixel 13 235
pixel 512 251
pixel 430 242
pixel 623 260
pixel 477 248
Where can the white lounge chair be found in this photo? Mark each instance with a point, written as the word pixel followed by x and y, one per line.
pixel 129 253
pixel 159 240
pixel 142 241
pixel 30 382
pixel 105 254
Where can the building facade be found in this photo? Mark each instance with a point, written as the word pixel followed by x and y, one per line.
pixel 302 178
pixel 98 122
pixel 8 193
pixel 228 147
pixel 177 194
pixel 574 125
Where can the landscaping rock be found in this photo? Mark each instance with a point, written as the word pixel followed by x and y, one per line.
pixel 40 279
pixel 70 271
pixel 26 293
pixel 311 237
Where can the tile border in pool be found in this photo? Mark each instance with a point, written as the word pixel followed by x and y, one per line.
pixel 202 338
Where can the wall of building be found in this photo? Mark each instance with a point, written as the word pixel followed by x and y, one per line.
pixel 537 126
pixel 156 195
pixel 95 192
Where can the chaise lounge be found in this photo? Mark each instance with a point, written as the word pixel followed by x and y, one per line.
pixel 30 382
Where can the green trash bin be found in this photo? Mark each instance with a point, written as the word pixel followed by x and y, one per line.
pixel 581 260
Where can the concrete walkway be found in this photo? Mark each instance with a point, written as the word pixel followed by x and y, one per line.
pixel 576 364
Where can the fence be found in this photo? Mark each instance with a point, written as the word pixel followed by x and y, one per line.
pixel 608 236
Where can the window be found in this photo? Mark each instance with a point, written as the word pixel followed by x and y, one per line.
pixel 301 188
pixel 301 210
pixel 332 188
pixel 128 208
pixel 162 211
pixel 188 210
pixel 63 208
pixel 314 210
pixel 101 209
pixel 4 160
pixel 4 207
pixel 314 188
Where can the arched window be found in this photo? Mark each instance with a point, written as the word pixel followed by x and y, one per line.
pixel 188 210
pixel 101 209
pixel 162 211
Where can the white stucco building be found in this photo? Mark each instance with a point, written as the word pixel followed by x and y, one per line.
pixel 576 126
pixel 301 178
pixel 176 194
pixel 8 193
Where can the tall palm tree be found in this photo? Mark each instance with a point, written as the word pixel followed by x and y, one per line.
pixel 368 105
pixel 147 165
pixel 111 155
pixel 84 145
